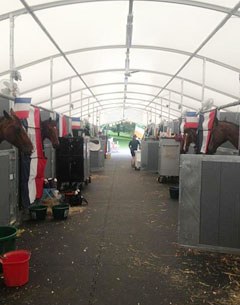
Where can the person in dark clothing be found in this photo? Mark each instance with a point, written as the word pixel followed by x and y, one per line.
pixel 134 144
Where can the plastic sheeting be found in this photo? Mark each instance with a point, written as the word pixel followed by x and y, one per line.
pixel 180 54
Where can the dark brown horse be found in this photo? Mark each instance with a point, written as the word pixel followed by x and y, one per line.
pixel 11 130
pixel 190 136
pixel 49 131
pixel 222 132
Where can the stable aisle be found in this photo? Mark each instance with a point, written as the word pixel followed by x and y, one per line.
pixel 119 250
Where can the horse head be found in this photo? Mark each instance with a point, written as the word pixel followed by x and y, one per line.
pixel 49 131
pixel 13 132
pixel 222 132
pixel 190 136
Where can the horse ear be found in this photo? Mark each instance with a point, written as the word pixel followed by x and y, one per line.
pixel 12 112
pixel 7 116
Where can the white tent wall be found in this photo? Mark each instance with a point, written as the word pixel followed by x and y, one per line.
pixel 180 54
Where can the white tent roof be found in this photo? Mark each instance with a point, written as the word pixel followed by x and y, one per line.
pixel 114 60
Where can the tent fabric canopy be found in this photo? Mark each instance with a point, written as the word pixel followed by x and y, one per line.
pixel 133 60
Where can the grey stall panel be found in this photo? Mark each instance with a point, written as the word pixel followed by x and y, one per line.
pixel 4 180
pixel 168 157
pixel 9 187
pixel 189 199
pixel 149 155
pixel 49 151
pixel 229 213
pixel 210 200
pixel 4 105
pixel 220 205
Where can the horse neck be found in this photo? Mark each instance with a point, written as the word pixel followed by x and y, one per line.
pixel 2 122
pixel 231 133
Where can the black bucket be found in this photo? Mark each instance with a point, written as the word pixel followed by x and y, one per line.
pixel 7 239
pixel 38 212
pixel 174 192
pixel 60 211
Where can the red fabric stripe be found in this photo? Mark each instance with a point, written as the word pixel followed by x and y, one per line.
pixel 210 126
pixel 22 114
pixel 39 179
pixel 191 125
pixel 64 126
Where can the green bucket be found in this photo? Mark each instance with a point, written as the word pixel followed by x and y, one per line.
pixel 60 211
pixel 7 239
pixel 38 212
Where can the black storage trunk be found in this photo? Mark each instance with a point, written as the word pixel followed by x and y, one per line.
pixel 70 160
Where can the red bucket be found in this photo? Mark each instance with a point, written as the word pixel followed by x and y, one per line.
pixel 16 267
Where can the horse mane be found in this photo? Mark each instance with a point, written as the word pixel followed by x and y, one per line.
pixel 230 123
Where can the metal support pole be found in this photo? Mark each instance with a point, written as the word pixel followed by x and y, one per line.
pixel 182 86
pixel 88 110
pixel 161 108
pixel 70 97
pixel 11 60
pixel 51 83
pixel 81 104
pixel 169 105
pixel 203 80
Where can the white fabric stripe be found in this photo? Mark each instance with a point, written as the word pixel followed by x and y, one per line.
pixel 34 160
pixel 21 107
pixel 204 141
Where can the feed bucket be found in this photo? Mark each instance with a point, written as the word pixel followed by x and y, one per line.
pixel 7 239
pixel 38 212
pixel 60 211
pixel 174 192
pixel 15 267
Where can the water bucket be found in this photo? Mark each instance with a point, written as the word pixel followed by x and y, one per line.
pixel 38 212
pixel 7 239
pixel 15 267
pixel 60 211
pixel 174 192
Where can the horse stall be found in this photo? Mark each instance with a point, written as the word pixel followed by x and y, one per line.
pixel 72 162
pixel 209 202
pixel 168 158
pixel 8 177
pixel 149 155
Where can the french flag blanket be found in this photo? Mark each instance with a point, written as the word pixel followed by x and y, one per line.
pixel 191 120
pixel 62 125
pixel 76 123
pixel 32 167
pixel 206 121
pixel 22 107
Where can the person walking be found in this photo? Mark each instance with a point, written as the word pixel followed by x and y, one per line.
pixel 134 144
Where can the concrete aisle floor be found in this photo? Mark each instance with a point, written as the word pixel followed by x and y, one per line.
pixel 121 250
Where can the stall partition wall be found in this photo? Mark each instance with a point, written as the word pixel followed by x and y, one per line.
pixel 97 157
pixel 168 157
pixel 149 155
pixel 209 203
pixel 9 187
pixel 8 176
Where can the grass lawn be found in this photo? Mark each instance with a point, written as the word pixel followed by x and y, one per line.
pixel 123 139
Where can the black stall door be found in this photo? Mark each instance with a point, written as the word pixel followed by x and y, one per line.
pixel 70 160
